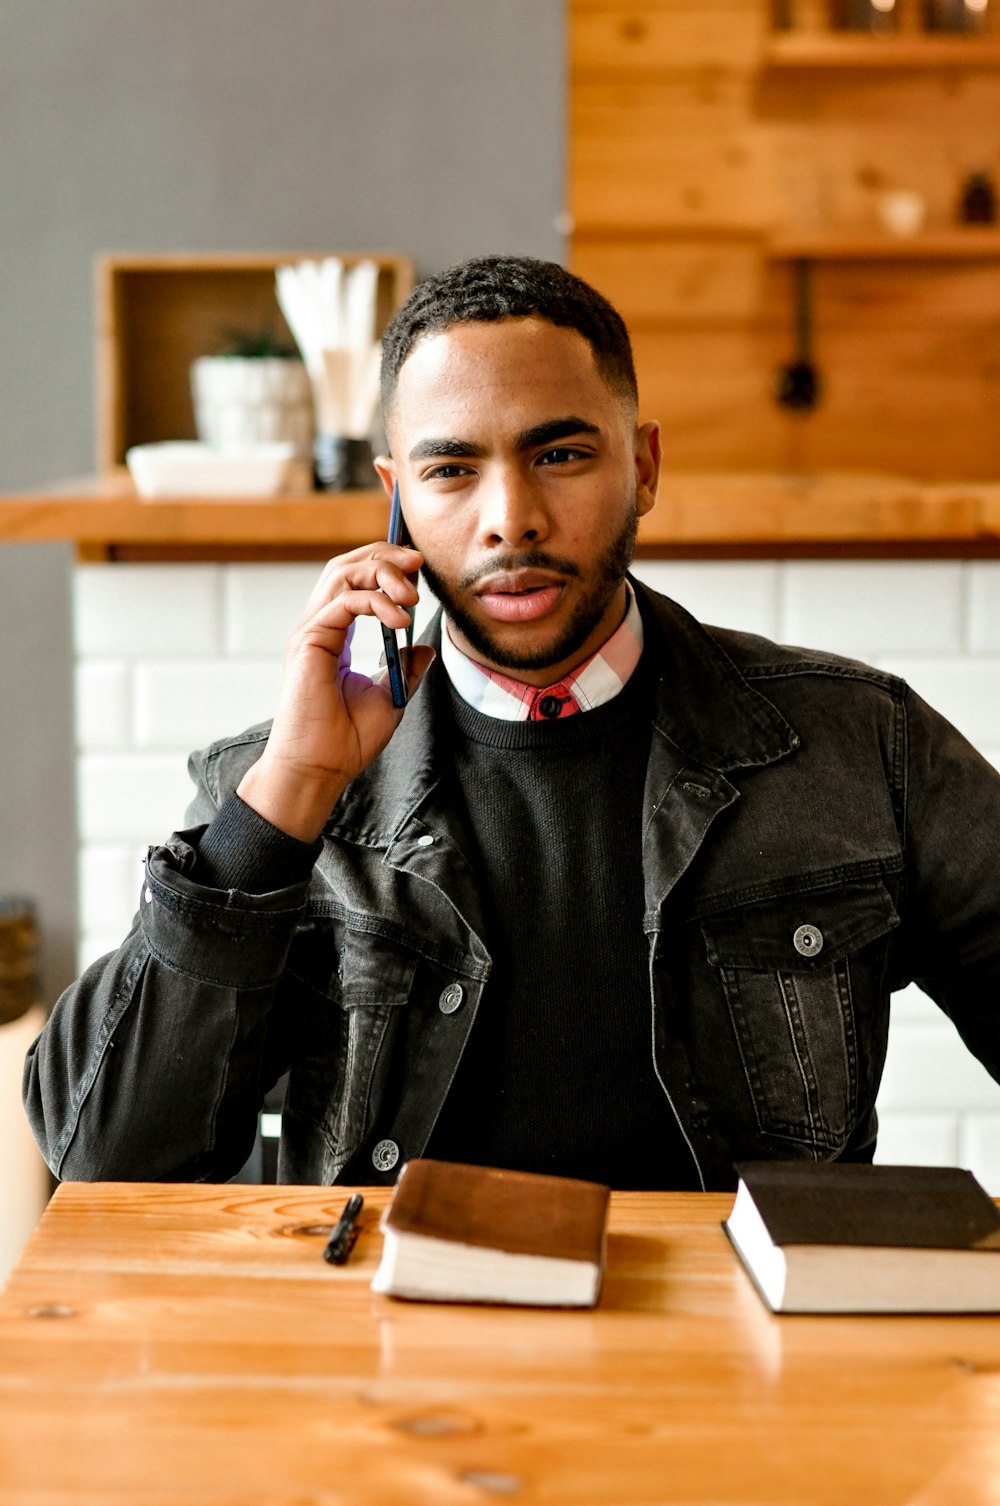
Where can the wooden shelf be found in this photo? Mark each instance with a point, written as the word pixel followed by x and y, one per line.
pixel 959 243
pixel 818 50
pixel 832 514
pixel 699 515
pixel 105 519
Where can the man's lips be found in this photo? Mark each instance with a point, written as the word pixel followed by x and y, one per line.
pixel 520 595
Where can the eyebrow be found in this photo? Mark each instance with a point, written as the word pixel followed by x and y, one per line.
pixel 548 432
pixel 554 429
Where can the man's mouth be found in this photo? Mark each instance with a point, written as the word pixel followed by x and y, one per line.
pixel 520 595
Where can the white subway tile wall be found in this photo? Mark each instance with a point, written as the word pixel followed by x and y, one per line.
pixel 170 657
pixel 170 698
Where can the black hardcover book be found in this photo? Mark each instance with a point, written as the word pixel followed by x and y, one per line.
pixel 844 1238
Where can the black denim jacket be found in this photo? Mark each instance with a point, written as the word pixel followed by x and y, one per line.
pixel 814 837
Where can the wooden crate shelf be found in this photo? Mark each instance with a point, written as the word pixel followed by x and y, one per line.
pixel 156 313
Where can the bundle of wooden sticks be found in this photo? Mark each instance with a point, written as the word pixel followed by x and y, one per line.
pixel 330 307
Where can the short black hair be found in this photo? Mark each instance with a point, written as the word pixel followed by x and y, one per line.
pixel 488 289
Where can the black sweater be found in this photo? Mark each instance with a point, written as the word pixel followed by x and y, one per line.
pixel 558 1074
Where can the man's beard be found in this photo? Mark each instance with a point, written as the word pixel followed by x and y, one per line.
pixel 609 572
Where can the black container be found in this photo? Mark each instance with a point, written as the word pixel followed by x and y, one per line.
pixel 343 465
pixel 978 202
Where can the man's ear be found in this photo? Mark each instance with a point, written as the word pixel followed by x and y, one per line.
pixel 386 467
pixel 647 465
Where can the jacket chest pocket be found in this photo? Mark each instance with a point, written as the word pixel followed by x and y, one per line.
pixel 798 972
pixel 358 984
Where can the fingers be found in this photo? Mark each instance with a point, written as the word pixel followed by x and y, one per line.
pixel 382 567
pixel 339 614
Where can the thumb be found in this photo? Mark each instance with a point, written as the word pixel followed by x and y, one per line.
pixel 422 656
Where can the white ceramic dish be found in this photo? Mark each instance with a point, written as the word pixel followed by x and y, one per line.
pixel 188 469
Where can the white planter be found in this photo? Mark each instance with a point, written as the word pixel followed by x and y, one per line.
pixel 241 401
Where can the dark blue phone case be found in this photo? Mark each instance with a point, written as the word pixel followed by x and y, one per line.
pixel 393 657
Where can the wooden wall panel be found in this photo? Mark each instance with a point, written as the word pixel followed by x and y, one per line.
pixel 672 183
pixel 703 282
pixel 665 36
pixel 708 389
pixel 886 405
pixel 690 154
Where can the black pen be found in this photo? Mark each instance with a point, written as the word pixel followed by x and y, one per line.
pixel 344 1232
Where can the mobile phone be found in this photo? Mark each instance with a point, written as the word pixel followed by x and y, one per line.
pixel 397 655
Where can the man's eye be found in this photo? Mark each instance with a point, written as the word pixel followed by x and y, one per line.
pixel 561 454
pixel 446 472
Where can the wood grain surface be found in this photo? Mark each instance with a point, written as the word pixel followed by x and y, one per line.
pixel 188 1344
pixel 705 149
pixel 697 513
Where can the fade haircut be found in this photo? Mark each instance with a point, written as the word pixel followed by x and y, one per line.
pixel 488 289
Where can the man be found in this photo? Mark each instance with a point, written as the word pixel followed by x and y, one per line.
pixel 617 895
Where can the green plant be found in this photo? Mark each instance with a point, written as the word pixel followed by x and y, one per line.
pixel 257 344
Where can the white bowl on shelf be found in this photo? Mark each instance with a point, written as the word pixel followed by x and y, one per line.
pixel 185 468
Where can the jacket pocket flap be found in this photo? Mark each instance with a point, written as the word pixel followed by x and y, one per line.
pixel 374 970
pixel 796 932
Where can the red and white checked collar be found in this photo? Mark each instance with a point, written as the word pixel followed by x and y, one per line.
pixel 595 681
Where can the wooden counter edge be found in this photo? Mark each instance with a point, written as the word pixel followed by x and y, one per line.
pixel 713 514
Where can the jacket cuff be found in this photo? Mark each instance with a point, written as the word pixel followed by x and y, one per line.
pixel 240 850
pixel 225 937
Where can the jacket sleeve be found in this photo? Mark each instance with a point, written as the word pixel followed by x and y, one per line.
pixel 154 1063
pixel 952 827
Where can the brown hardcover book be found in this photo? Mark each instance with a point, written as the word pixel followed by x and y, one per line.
pixel 840 1238
pixel 456 1233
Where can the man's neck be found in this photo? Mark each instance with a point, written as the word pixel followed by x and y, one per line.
pixel 550 674
pixel 591 683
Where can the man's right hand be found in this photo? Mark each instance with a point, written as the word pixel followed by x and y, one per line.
pixel 331 721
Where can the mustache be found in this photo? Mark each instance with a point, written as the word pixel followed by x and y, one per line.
pixel 505 564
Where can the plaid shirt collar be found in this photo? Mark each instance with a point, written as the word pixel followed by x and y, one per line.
pixel 595 681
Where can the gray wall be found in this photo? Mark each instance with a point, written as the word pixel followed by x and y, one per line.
pixel 430 126
pixel 37 826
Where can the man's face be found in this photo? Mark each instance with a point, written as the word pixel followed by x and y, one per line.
pixel 522 477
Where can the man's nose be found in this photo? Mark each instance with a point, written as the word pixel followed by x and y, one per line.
pixel 512 512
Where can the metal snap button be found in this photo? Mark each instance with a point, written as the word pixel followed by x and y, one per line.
pixel 807 941
pixel 425 841
pixel 451 998
pixel 385 1155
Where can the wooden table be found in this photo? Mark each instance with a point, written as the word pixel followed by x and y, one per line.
pixel 188 1344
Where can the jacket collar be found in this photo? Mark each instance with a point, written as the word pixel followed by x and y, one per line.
pixel 704 706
